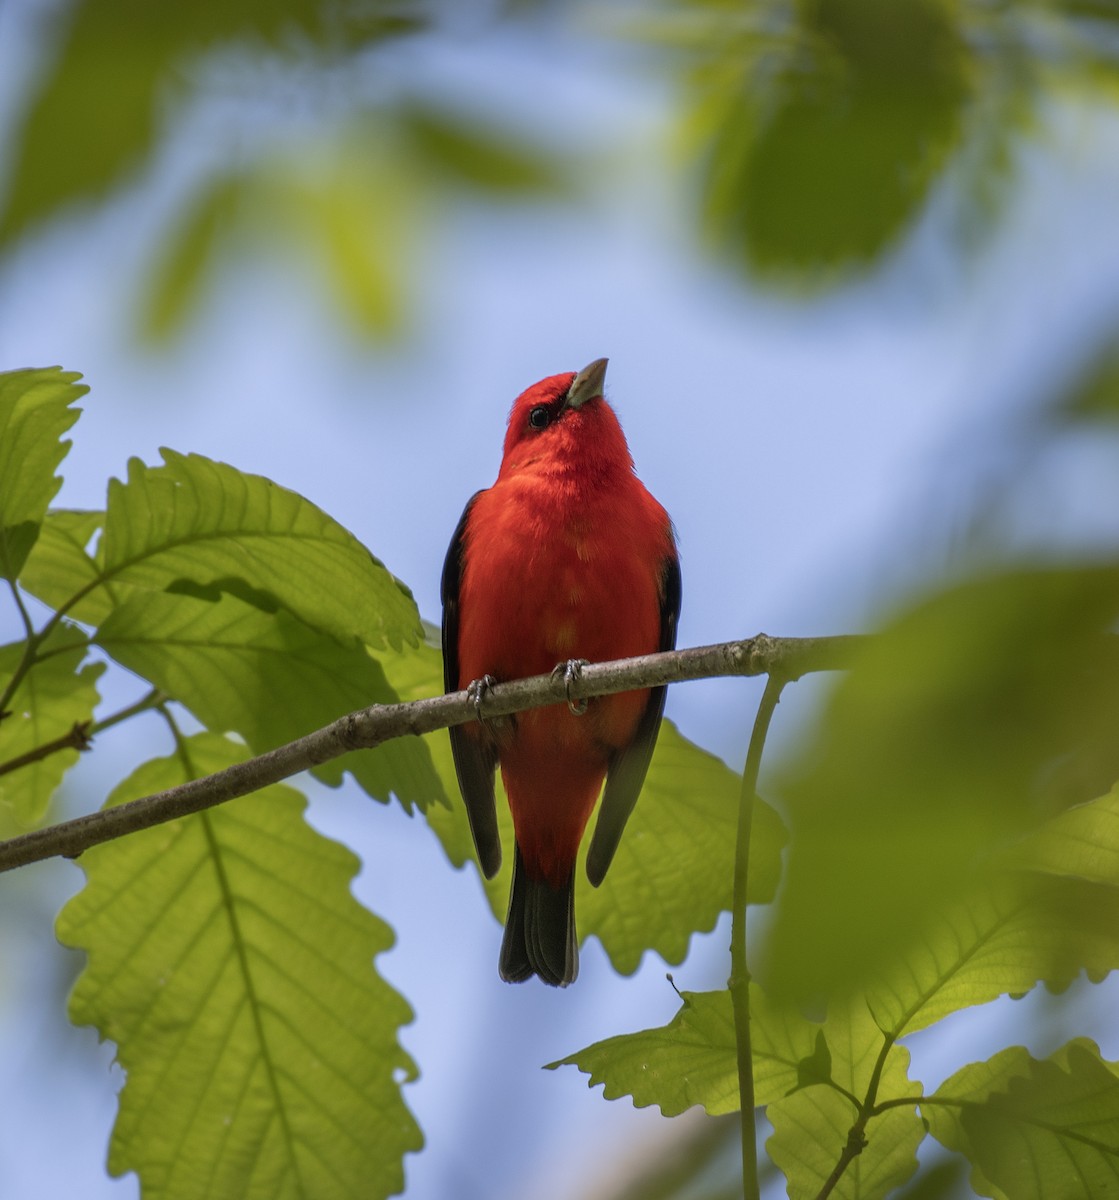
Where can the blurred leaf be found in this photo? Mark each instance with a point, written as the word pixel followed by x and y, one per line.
pixel 673 873
pixel 208 526
pixel 189 251
pixel 62 565
pixel 232 966
pixel 821 140
pixel 1096 395
pixel 944 1180
pixel 54 696
pixel 34 414
pixel 812 1124
pixel 97 114
pixel 354 200
pixel 474 154
pixel 267 677
pixel 1034 1129
pixel 935 751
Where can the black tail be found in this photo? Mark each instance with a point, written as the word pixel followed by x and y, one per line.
pixel 539 930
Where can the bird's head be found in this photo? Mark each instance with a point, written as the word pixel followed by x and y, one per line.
pixel 564 419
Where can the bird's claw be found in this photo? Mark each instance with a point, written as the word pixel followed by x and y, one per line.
pixel 571 671
pixel 476 692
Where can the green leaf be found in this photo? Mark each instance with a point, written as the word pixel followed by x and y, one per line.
pixel 62 565
pixel 1082 842
pixel 689 1061
pixel 1002 939
pixel 57 694
pixel 1034 1129
pixel 233 968
pixel 933 755
pixel 694 1060
pixel 268 677
pixel 811 1126
pixel 34 414
pixel 204 524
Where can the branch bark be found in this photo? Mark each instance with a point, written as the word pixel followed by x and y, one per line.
pixel 762 655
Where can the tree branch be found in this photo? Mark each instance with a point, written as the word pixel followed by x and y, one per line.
pixel 368 727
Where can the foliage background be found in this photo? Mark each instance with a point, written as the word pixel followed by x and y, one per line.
pixel 308 276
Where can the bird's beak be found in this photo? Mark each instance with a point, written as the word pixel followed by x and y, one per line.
pixel 587 384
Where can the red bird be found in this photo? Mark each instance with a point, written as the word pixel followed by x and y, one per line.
pixel 567 557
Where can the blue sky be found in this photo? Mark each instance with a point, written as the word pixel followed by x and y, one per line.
pixel 817 457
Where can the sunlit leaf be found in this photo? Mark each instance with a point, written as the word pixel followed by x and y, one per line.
pixel 56 696
pixel 811 1126
pixel 62 565
pixel 687 1062
pixel 34 414
pixel 1034 1129
pixel 693 1060
pixel 231 965
pixel 937 750
pixel 196 523
pixel 268 677
pixel 1002 939
pixel 1082 842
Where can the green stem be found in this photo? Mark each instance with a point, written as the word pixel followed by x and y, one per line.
pixel 739 973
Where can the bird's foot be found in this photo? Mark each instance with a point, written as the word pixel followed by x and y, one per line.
pixel 571 671
pixel 476 692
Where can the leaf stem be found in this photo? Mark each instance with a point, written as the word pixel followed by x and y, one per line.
pixel 739 983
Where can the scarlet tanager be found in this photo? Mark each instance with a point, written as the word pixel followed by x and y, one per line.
pixel 567 557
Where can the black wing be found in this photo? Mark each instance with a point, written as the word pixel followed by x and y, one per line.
pixel 627 770
pixel 475 759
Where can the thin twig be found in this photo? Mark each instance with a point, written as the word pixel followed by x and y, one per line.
pixel 739 982
pixel 75 738
pixel 81 734
pixel 369 727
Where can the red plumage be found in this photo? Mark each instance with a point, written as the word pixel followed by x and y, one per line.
pixel 567 556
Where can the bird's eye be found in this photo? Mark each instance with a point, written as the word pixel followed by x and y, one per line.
pixel 540 417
